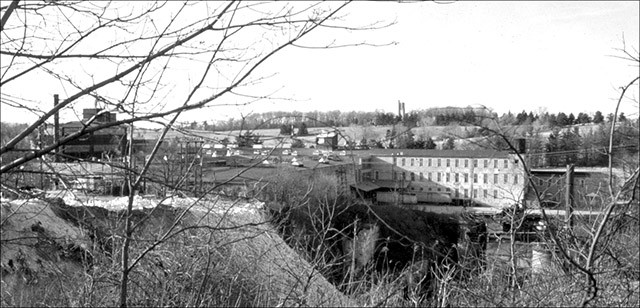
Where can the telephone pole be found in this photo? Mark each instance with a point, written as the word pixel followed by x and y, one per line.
pixel 56 128
pixel 568 196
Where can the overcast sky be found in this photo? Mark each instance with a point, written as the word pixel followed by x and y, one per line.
pixel 508 56
pixel 504 55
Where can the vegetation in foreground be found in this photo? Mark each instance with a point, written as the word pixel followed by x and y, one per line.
pixel 231 256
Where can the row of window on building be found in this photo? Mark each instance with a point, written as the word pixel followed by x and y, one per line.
pixel 451 177
pixel 437 162
pixel 465 192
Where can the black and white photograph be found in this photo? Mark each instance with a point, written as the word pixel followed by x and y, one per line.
pixel 319 154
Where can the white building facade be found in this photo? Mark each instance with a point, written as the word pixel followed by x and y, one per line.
pixel 481 177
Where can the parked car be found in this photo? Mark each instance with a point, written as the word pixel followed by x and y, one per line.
pixel 297 163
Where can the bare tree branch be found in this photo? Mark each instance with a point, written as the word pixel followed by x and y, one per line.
pixel 7 13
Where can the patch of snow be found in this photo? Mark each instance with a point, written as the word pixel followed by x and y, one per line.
pixel 217 205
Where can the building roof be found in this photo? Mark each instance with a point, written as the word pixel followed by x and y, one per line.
pixel 80 124
pixel 391 184
pixel 368 186
pixel 365 186
pixel 241 174
pixel 83 168
pixel 327 134
pixel 439 153
pixel 555 171
pixel 603 170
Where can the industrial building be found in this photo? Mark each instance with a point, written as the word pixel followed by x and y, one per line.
pixel 327 141
pixel 110 141
pixel 587 186
pixel 480 178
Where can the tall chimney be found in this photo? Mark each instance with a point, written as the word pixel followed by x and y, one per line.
pixel 56 127
pixel 399 109
pixel 403 111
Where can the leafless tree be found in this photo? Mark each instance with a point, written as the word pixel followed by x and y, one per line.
pixel 131 59
pixel 591 250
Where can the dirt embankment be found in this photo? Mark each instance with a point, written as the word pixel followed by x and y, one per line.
pixel 214 253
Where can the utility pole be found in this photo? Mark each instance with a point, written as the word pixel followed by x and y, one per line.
pixel 394 159
pixel 56 128
pixel 40 159
pixel 568 196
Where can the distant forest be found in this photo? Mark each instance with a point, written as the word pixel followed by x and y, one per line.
pixel 429 117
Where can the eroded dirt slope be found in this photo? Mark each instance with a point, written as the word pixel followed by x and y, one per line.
pixel 208 253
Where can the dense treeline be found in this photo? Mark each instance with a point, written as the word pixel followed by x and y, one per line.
pixel 590 148
pixel 429 117
pixel 276 119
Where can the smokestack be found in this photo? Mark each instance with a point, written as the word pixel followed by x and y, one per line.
pixel 403 111
pixel 399 109
pixel 56 126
